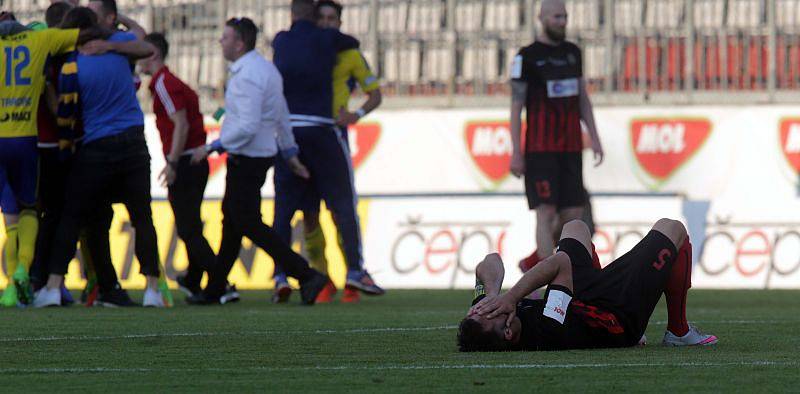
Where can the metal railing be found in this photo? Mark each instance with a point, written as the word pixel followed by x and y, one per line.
pixel 446 51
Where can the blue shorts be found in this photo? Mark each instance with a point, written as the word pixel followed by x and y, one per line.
pixel 311 199
pixel 19 174
pixel 8 204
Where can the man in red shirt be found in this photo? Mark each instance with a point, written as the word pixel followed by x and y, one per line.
pixel 547 79
pixel 180 124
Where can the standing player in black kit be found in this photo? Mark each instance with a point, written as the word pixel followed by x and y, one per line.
pixel 547 79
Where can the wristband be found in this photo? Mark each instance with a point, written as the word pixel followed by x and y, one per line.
pixel 361 113
pixel 480 288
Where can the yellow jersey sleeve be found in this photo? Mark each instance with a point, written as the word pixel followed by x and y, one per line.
pixel 362 73
pixel 22 77
pixel 61 41
pixel 350 65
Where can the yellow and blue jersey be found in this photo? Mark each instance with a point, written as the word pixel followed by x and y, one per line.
pixel 22 79
pixel 350 66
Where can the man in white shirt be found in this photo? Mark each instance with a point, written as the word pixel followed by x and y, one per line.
pixel 256 129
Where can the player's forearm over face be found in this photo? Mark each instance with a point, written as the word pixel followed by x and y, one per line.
pixel 490 272
pixel 542 274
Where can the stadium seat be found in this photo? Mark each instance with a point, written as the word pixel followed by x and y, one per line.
pixel 502 16
pixel 594 61
pixel 665 14
pixel 787 14
pixel 356 18
pixel 275 19
pixel 393 17
pixel 426 16
pixel 469 15
pixel 709 13
pixel 402 63
pixel 745 13
pixel 437 66
pixel 583 14
pixel 628 15
pixel 481 62
pixel 788 63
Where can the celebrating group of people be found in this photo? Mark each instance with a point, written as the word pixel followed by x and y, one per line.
pixel 83 114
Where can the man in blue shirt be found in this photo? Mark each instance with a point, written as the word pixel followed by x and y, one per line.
pixel 305 55
pixel 113 158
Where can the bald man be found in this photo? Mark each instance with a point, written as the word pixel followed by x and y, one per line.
pixel 547 79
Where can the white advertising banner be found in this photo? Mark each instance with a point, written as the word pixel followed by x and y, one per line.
pixel 437 242
pixel 734 168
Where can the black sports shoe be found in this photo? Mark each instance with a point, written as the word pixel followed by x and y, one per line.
pixel 116 297
pixel 231 295
pixel 187 288
pixel 202 298
pixel 310 288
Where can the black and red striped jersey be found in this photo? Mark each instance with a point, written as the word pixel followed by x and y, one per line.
pixel 560 322
pixel 553 75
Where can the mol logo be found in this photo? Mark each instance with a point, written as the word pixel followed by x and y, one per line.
pixel 662 146
pixel 490 146
pixel 362 139
pixel 790 142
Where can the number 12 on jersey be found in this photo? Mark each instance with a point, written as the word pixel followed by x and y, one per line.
pixel 16 60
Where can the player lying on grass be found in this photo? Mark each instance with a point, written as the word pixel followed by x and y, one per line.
pixel 585 307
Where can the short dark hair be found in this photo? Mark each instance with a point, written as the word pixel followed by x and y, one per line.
pixel 246 30
pixel 303 9
pixel 79 18
pixel 160 42
pixel 56 12
pixel 109 6
pixel 472 338
pixel 338 7
pixel 7 16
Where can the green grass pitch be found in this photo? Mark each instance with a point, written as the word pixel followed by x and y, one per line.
pixel 404 342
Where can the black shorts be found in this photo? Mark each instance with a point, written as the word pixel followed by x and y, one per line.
pixel 631 286
pixel 554 179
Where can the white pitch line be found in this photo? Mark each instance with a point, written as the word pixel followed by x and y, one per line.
pixel 756 363
pixel 360 330
pixel 660 322
pixel 279 332
pixel 221 333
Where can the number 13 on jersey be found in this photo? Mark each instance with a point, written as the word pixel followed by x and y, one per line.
pixel 16 60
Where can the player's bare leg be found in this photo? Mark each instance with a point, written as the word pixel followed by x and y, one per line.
pixel 679 331
pixel 566 215
pixel 578 231
pixel 546 221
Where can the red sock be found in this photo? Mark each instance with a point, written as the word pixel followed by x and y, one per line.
pixel 529 262
pixel 680 280
pixel 595 258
